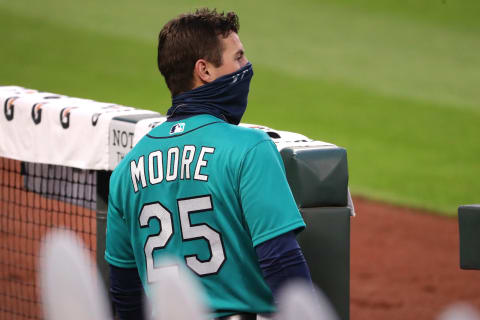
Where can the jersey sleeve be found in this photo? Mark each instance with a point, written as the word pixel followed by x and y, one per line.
pixel 118 250
pixel 267 201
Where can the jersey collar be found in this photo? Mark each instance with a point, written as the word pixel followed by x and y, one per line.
pixel 171 129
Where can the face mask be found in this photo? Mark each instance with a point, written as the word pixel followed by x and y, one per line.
pixel 225 97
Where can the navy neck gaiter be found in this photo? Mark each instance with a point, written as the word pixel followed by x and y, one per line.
pixel 224 98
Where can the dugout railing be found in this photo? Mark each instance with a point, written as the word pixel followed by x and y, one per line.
pixel 45 183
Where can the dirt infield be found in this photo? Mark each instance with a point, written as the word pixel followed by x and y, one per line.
pixel 405 264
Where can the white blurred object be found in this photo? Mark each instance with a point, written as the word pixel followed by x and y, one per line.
pixel 459 311
pixel 70 286
pixel 299 301
pixel 176 295
pixel 350 204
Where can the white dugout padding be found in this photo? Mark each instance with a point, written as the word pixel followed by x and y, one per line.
pixel 50 128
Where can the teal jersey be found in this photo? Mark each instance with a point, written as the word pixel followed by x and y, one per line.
pixel 206 192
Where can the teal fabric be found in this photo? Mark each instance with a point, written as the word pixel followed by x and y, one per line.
pixel 250 199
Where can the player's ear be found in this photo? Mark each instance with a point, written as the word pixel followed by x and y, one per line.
pixel 201 71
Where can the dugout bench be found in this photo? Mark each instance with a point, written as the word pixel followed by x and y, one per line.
pixel 318 177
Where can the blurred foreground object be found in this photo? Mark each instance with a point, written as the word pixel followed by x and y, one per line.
pixel 469 230
pixel 176 295
pixel 459 311
pixel 298 300
pixel 70 286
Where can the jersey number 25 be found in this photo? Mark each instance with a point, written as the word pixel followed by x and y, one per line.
pixel 187 206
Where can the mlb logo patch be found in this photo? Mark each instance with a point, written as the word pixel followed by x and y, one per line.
pixel 177 128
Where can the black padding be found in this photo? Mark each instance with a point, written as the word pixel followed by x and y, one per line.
pixel 469 229
pixel 318 176
pixel 326 246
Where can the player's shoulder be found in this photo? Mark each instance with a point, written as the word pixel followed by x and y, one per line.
pixel 245 135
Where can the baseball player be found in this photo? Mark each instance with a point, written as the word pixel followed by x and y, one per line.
pixel 202 189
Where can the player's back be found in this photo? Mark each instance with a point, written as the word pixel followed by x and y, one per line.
pixel 184 190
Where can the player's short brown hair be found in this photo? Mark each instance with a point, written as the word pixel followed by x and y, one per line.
pixel 189 37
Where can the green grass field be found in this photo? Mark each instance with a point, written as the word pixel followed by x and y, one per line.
pixel 394 82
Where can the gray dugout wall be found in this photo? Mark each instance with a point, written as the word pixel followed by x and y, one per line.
pixel 318 177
